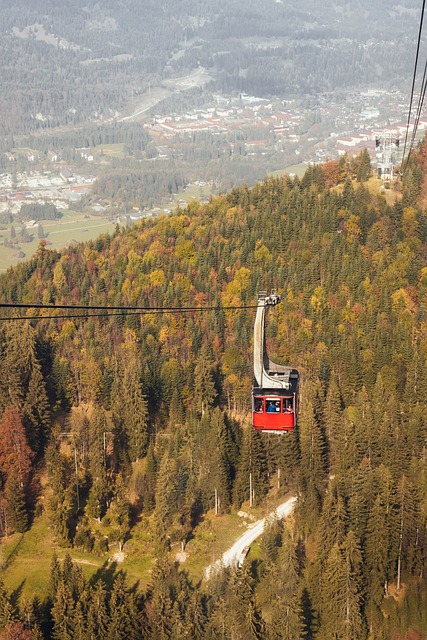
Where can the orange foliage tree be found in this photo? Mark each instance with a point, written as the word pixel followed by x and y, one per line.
pixel 15 454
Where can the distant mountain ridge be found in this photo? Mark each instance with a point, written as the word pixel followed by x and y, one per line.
pixel 65 64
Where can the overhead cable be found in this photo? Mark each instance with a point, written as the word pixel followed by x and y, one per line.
pixel 117 311
pixel 413 80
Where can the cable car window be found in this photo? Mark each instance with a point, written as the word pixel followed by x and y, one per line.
pixel 273 406
pixel 258 405
pixel 287 406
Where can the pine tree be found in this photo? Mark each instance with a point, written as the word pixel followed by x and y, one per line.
pixel 364 166
pixel 286 623
pixel 130 415
pixel 354 624
pixel 80 629
pixel 407 524
pixel 271 538
pixel 160 605
pixel 313 467
pixel 97 616
pixel 246 621
pixel 16 504
pixel 36 410
pixel 252 471
pixel 118 513
pixel 334 597
pixel 196 616
pixel 135 414
pixel 62 500
pixel 6 610
pixel 96 502
pixel 360 496
pixel 166 496
pixel 333 420
pixel 55 576
pixel 377 550
pixel 204 386
pixel 21 382
pixel 63 614
pixel 313 446
pixel 150 479
pixel 123 616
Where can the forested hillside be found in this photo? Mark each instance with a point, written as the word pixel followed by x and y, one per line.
pixel 125 422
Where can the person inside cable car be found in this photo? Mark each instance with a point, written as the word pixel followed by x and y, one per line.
pixel 271 406
pixel 287 408
pixel 258 408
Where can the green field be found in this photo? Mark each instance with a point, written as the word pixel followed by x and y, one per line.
pixel 73 227
pixel 191 192
pixel 115 150
pixel 25 559
pixel 296 169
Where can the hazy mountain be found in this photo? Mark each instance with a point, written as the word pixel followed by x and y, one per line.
pixel 68 62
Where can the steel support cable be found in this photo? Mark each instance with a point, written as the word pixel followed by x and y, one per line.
pixel 22 305
pixel 118 311
pixel 413 79
pixel 420 100
pixel 415 129
pixel 419 111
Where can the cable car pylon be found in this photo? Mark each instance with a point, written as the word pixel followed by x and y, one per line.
pixel 275 386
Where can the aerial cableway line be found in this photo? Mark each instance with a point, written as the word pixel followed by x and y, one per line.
pixel 421 96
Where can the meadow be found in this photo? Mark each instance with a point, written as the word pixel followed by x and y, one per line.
pixel 73 227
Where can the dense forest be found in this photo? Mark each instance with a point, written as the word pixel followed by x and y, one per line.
pixel 118 420
pixel 66 65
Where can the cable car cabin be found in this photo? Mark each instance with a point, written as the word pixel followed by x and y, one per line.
pixel 273 412
pixel 275 388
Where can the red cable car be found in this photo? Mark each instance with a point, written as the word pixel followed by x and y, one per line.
pixel 275 388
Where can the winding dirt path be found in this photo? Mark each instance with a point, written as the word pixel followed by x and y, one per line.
pixel 232 555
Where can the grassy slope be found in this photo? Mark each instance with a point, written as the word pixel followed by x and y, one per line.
pixel 25 559
pixel 72 227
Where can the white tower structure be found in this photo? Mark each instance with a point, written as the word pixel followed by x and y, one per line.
pixel 387 152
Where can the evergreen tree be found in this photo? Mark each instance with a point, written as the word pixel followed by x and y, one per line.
pixel 118 513
pixel 204 386
pixel 63 614
pixel 96 502
pixel 6 610
pixel 97 616
pixel 55 576
pixel 166 496
pixel 36 410
pixel 377 557
pixel 123 620
pixel 252 472
pixel 334 597
pixel 363 166
pixel 245 621
pixel 355 628
pixel 286 621
pixel 22 384
pixel 130 416
pixel 16 504
pixel 150 479
pixel 333 420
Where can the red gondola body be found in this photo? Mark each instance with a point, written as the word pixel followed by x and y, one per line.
pixel 275 388
pixel 282 418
